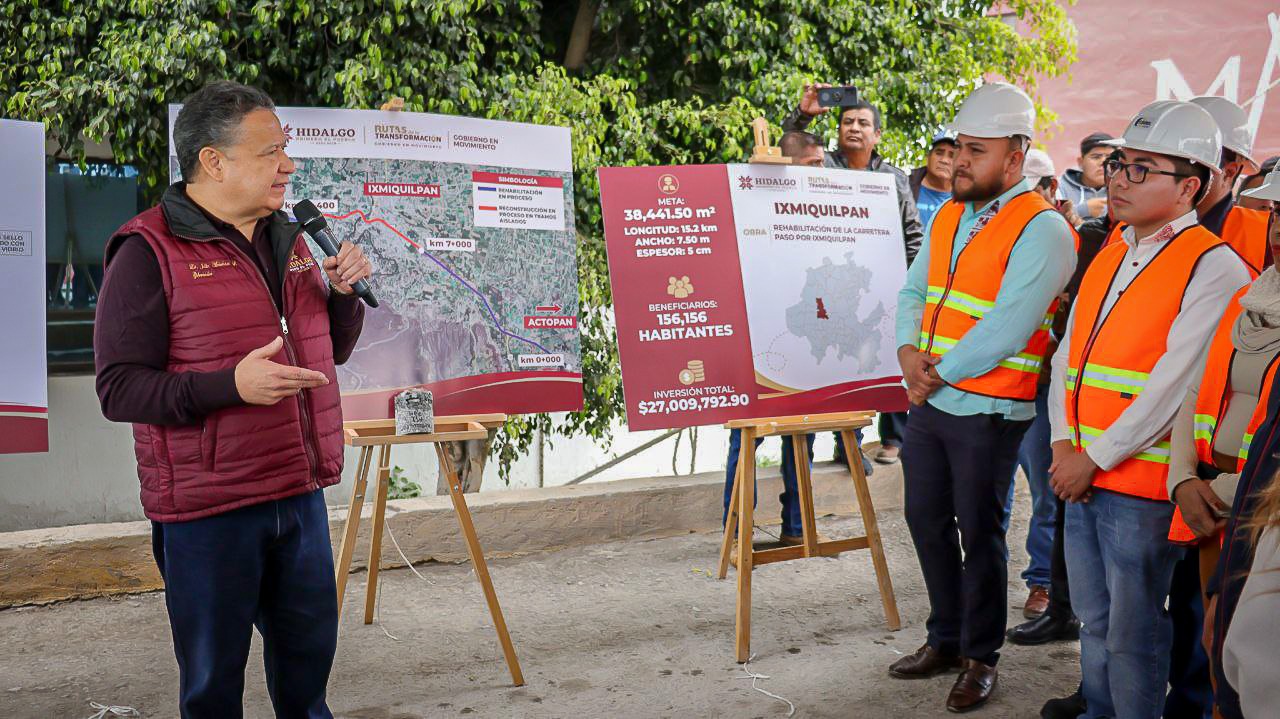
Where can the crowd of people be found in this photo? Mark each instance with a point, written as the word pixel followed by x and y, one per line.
pixel 1113 332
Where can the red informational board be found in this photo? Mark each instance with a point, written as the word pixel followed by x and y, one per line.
pixel 684 331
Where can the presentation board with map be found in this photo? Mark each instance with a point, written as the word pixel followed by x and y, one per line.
pixel 24 395
pixel 746 291
pixel 469 225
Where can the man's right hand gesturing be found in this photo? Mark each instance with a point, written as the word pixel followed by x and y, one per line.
pixel 261 381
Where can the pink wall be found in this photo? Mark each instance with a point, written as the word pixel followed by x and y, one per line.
pixel 1132 52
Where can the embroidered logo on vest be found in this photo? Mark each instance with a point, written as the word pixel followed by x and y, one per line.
pixel 300 264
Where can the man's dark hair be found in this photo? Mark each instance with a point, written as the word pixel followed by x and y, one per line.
pixel 795 143
pixel 861 104
pixel 1044 183
pixel 1193 169
pixel 210 117
pixel 1264 169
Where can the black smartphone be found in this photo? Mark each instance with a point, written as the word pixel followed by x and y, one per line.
pixel 837 96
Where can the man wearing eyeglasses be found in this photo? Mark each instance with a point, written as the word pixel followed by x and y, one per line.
pixel 1141 323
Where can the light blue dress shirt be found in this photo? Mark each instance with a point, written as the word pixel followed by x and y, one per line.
pixel 1039 268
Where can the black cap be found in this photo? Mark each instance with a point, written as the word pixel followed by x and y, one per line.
pixel 1093 141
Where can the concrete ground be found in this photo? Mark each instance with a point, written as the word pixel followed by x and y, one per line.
pixel 627 629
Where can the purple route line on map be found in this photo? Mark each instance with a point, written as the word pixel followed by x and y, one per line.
pixel 497 324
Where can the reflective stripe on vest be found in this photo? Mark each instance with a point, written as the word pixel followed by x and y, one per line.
pixel 1112 355
pixel 957 299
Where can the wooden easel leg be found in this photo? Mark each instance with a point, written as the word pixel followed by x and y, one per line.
pixel 746 528
pixel 477 561
pixel 730 524
pixel 379 522
pixel 804 485
pixel 348 545
pixel 873 530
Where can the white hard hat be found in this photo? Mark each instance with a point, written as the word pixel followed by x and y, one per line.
pixel 1233 124
pixel 1269 189
pixel 1038 166
pixel 996 109
pixel 1176 129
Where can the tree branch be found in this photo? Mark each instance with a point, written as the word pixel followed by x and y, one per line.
pixel 580 36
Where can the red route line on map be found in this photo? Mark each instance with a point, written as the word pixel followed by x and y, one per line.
pixel 374 220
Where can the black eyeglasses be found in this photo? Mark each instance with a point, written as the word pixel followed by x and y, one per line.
pixel 1135 173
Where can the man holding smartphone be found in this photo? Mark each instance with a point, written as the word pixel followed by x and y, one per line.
pixel 860 131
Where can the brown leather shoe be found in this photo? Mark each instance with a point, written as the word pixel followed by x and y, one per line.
pixel 796 540
pixel 973 688
pixel 1037 602
pixel 925 662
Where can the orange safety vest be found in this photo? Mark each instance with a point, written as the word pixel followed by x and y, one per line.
pixel 958 298
pixel 1246 231
pixel 1112 356
pixel 1212 401
pixel 1114 237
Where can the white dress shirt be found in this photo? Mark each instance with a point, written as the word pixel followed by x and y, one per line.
pixel 1149 418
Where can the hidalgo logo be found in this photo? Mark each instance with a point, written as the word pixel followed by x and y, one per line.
pixel 747 182
pixel 300 264
pixel 320 135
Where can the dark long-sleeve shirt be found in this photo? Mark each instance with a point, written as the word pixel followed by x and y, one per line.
pixel 131 335
pixel 912 229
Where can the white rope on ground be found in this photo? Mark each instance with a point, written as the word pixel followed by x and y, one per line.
pixel 746 667
pixel 118 711
pixel 387 524
pixel 377 609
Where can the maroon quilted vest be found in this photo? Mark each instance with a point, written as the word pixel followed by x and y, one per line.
pixel 220 309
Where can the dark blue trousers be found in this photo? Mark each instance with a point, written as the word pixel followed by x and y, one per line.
pixel 792 525
pixel 1190 693
pixel 957 471
pixel 269 565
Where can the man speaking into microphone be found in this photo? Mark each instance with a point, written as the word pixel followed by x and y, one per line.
pixel 217 335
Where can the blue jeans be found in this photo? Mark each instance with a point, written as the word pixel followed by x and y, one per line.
pixel 1121 566
pixel 790 497
pixel 268 565
pixel 1034 456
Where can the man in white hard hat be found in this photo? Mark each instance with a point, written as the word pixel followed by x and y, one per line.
pixel 1190 691
pixel 972 332
pixel 1243 229
pixel 1137 334
pixel 1241 692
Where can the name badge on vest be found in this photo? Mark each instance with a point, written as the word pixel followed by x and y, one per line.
pixel 204 270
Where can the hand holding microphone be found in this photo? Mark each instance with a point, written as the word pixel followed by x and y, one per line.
pixel 346 266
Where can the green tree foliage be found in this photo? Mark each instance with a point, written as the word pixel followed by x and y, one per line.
pixel 638 81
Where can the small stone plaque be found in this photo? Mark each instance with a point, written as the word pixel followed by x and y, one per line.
pixel 415 412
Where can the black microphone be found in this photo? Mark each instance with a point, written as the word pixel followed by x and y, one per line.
pixel 314 224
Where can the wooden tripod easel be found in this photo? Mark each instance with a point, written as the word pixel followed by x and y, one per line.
pixel 740 525
pixel 381 433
